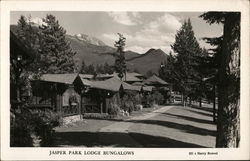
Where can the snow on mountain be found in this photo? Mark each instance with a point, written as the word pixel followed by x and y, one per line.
pixel 90 39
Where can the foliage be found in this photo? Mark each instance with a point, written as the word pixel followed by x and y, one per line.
pixel 149 73
pixel 167 70
pixel 108 69
pixel 113 109
pixel 120 63
pixel 228 124
pixel 56 55
pixel 130 100
pixel 187 47
pixel 158 98
pixel 28 123
pixel 98 69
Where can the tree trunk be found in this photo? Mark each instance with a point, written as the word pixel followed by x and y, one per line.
pixel 200 102
pixel 214 103
pixel 228 125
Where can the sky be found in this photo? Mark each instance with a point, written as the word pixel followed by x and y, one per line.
pixel 143 30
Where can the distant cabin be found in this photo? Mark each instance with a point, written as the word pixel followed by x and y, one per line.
pixel 76 94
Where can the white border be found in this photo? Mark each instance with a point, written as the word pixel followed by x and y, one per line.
pixel 8 153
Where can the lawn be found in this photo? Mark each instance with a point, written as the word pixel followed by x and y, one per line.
pixel 85 132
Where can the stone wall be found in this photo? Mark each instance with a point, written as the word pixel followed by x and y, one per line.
pixel 71 119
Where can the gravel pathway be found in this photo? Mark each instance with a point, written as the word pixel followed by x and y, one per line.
pixel 178 127
pixel 117 134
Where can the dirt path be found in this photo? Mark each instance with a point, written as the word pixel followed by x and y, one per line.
pixel 168 127
pixel 178 127
pixel 118 133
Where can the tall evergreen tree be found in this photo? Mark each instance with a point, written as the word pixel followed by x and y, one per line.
pixel 90 69
pixel 56 53
pixel 108 69
pixel 120 63
pixel 228 124
pixel 187 48
pixel 83 68
pixel 167 69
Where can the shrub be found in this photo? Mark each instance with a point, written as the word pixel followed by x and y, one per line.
pixel 158 98
pixel 147 100
pixel 28 123
pixel 113 109
pixel 20 131
pixel 127 103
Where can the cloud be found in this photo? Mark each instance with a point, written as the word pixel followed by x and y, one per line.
pixel 125 18
pixel 158 33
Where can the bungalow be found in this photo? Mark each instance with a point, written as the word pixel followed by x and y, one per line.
pixel 60 92
pixel 102 94
pixel 156 82
pixel 128 77
pixel 77 94
pixel 160 85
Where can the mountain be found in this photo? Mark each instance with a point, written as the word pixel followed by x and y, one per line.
pixel 151 60
pixel 94 51
pixel 99 54
pixel 95 54
pixel 89 39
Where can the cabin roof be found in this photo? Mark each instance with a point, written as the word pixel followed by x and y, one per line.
pixel 86 76
pixel 86 81
pixel 130 77
pixel 59 78
pixel 155 80
pixel 113 84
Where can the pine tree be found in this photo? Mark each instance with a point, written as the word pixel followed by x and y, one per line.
pixel 167 69
pixel 56 53
pixel 120 63
pixel 108 69
pixel 83 68
pixel 187 48
pixel 211 64
pixel 24 70
pixel 228 124
pixel 90 69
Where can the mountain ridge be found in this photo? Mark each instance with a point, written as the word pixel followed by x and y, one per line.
pixel 94 51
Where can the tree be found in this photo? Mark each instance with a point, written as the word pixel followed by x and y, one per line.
pixel 108 69
pixel 20 69
pixel 83 68
pixel 187 48
pixel 149 73
pixel 56 53
pixel 120 63
pixel 90 69
pixel 210 65
pixel 228 124
pixel 201 88
pixel 167 69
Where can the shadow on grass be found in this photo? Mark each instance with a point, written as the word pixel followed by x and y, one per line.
pixel 115 139
pixel 207 109
pixel 201 113
pixel 181 127
pixel 190 118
